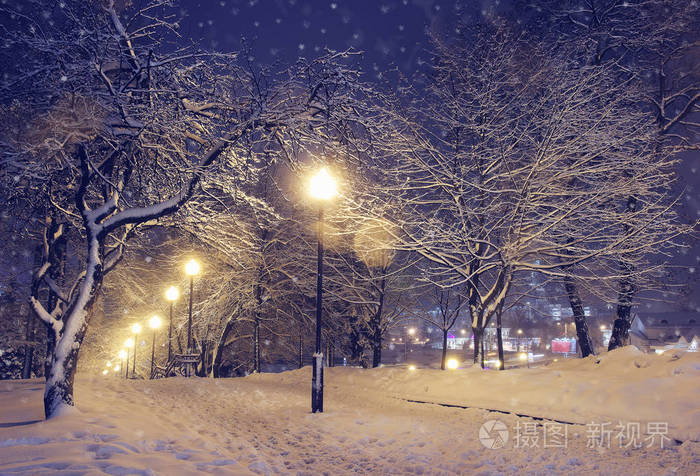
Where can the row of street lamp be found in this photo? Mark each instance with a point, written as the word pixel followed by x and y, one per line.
pixel 172 294
pixel 323 188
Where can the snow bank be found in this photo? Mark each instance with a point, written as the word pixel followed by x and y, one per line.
pixel 623 385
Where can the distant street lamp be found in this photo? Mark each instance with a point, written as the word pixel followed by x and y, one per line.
pixel 122 355
pixel 322 187
pixel 192 269
pixel 129 343
pixel 154 323
pixel 171 295
pixel 136 329
pixel 410 331
pixel 520 332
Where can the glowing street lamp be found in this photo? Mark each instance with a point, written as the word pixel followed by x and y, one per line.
pixel 322 187
pixel 105 372
pixel 524 356
pixel 129 343
pixel 122 355
pixel 136 329
pixel 154 323
pixel 171 295
pixel 452 364
pixel 191 269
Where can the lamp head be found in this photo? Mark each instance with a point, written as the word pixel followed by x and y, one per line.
pixel 172 294
pixel 136 328
pixel 322 186
pixel 122 354
pixel 154 323
pixel 129 342
pixel 192 267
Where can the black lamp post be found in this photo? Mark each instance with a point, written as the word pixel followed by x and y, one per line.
pixel 171 295
pixel 322 188
pixel 136 329
pixel 191 268
pixel 154 323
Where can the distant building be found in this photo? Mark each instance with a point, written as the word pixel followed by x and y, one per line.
pixel 658 332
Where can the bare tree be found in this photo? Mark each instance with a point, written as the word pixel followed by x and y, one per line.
pixel 520 160
pixel 121 128
pixel 450 304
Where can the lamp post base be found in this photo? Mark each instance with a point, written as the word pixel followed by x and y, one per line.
pixel 317 384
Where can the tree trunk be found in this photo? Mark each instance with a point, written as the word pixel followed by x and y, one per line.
pixel 477 343
pixel 203 360
pixel 58 394
pixel 482 350
pixel 582 334
pixel 28 348
pixel 621 326
pixel 376 351
pixel 218 353
pixel 50 344
pixel 301 351
pixel 443 361
pixel 499 336
pixel 256 343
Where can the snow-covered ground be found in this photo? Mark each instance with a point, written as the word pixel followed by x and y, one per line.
pixel 261 424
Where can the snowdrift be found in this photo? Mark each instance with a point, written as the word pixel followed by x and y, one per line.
pixel 623 385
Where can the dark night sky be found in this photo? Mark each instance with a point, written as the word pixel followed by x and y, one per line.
pixel 390 33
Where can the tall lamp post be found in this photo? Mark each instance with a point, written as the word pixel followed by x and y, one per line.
pixel 154 323
pixel 136 329
pixel 322 187
pixel 171 295
pixel 192 269
pixel 129 343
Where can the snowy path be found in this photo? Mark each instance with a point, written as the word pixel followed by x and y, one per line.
pixel 262 425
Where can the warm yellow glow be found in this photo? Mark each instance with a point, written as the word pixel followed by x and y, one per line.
pixel 136 328
pixel 463 331
pixel 108 364
pixel 192 267
pixel 412 331
pixel 523 356
pixel 602 328
pixel 520 331
pixel 105 371
pixel 452 364
pixel 129 342
pixel 117 368
pixel 322 185
pixel 172 294
pixel 154 322
pixel 498 364
pixel 122 354
pixel 556 360
pixel 411 367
